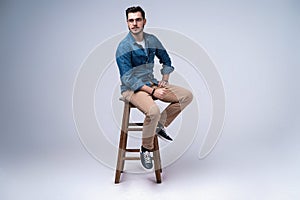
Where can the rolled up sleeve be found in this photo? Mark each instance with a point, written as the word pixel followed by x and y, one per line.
pixel 166 69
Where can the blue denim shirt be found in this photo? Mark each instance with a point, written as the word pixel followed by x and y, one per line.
pixel 136 64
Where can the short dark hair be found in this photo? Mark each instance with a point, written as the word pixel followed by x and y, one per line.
pixel 135 9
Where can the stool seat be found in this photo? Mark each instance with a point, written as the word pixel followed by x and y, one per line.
pixel 126 127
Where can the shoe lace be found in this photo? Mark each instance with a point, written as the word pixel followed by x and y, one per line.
pixel 147 157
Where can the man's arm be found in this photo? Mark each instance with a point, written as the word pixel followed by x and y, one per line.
pixel 155 92
pixel 123 58
pixel 164 58
pixel 147 89
pixel 164 81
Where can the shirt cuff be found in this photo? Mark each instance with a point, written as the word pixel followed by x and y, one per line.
pixel 166 69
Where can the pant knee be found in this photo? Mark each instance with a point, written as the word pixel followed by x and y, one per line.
pixel 189 96
pixel 154 112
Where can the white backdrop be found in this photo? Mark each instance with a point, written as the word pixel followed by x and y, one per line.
pixel 255 46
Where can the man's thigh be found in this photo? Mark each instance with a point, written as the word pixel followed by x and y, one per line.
pixel 142 100
pixel 175 93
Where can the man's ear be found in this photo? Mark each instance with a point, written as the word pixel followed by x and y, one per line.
pixel 145 21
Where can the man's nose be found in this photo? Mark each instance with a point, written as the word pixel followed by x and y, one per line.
pixel 134 22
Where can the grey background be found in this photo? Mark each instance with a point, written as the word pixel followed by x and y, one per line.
pixel 255 46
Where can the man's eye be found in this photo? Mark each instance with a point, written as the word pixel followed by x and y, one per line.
pixel 137 20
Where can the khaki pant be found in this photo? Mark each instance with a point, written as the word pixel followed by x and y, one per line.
pixel 178 98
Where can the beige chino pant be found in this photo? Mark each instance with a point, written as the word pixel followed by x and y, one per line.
pixel 178 98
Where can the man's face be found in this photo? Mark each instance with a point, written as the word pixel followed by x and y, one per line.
pixel 135 22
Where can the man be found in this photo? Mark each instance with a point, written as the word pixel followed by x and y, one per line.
pixel 135 58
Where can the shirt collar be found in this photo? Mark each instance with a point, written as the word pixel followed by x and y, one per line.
pixel 132 40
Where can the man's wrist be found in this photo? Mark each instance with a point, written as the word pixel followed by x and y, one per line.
pixel 152 93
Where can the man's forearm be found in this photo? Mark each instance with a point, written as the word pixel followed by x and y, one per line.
pixel 147 89
pixel 166 77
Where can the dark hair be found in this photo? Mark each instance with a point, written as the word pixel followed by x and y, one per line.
pixel 135 9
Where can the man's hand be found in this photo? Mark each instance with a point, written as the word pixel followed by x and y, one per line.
pixel 162 83
pixel 160 93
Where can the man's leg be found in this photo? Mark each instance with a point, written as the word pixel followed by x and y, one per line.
pixel 179 98
pixel 144 102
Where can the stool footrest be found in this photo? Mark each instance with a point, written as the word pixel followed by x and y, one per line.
pixel 133 150
pixel 136 124
pixel 134 129
pixel 131 158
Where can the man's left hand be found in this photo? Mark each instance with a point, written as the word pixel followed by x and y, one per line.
pixel 163 83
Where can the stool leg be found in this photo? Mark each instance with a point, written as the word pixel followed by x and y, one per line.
pixel 124 151
pixel 119 167
pixel 157 161
pixel 158 153
pixel 122 143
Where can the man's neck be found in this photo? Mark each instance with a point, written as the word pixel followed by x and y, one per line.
pixel 138 37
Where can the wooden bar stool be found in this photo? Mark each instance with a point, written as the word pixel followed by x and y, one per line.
pixel 125 128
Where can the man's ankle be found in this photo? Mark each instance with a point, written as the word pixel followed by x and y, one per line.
pixel 143 149
pixel 159 127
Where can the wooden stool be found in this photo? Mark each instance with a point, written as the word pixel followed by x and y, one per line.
pixel 125 128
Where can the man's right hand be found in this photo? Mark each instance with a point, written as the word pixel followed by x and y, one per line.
pixel 160 93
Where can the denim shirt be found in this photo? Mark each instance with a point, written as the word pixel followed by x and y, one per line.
pixel 136 64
